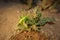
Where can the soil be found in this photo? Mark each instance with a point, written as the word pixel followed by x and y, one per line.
pixel 9 17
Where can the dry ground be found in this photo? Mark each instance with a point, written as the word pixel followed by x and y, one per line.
pixel 9 17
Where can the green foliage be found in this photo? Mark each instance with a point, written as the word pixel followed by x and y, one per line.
pixel 27 23
pixel 23 19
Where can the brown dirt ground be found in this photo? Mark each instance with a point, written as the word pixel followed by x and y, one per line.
pixel 9 17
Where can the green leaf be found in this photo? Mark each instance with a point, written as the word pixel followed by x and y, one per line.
pixel 27 23
pixel 50 19
pixel 22 27
pixel 43 21
pixel 23 19
pixel 38 13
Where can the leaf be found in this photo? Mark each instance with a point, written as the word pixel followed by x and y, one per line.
pixel 27 23
pixel 38 13
pixel 23 19
pixel 50 19
pixel 38 29
pixel 43 21
pixel 22 27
